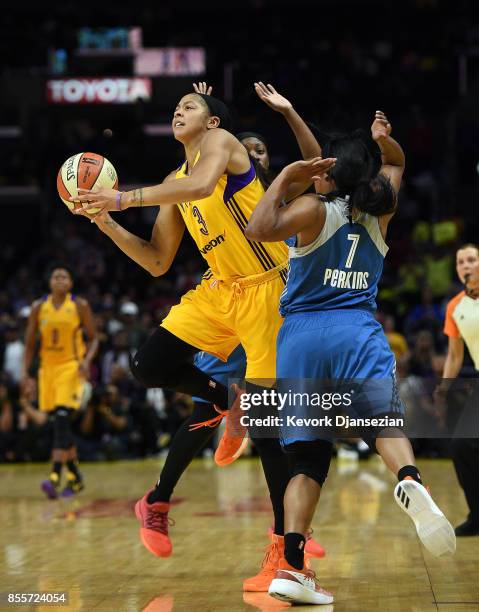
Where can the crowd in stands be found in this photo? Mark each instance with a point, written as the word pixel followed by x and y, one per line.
pixel 119 419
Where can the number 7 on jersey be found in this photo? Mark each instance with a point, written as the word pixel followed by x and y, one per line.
pixel 355 239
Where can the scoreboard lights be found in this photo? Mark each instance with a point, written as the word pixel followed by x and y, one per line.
pixel 98 90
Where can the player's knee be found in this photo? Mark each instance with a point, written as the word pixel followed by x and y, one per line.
pixel 372 434
pixel 157 362
pixel 311 459
pixel 62 432
pixel 149 372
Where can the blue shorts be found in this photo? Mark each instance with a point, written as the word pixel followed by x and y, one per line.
pixel 221 371
pixel 342 352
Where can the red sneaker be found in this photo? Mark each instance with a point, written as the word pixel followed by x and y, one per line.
pixel 154 526
pixel 234 440
pixel 298 586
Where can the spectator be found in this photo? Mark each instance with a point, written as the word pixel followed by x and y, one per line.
pixel 426 315
pixel 397 341
pixel 7 437
pixel 137 335
pixel 14 348
pixel 104 427
pixel 119 355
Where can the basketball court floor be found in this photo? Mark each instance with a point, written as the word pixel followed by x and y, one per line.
pixel 90 548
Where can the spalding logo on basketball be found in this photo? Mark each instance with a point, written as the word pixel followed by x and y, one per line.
pixel 85 171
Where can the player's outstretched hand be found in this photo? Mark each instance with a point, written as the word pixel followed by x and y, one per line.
pixel 203 88
pixel 276 101
pixel 381 128
pixel 310 170
pixel 98 200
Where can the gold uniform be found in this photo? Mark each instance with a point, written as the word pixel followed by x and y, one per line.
pixel 237 299
pixel 61 350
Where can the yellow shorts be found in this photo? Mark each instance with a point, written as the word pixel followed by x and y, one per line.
pixel 216 316
pixel 60 385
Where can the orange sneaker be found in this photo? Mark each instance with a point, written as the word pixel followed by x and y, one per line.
pixel 274 552
pixel 154 526
pixel 263 578
pixel 234 440
pixel 312 547
pixel 298 586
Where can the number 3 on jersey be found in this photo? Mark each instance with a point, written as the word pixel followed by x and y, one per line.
pixel 198 216
pixel 355 239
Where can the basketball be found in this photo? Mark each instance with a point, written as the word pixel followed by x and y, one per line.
pixel 85 171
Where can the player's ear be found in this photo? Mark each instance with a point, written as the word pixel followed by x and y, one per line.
pixel 213 122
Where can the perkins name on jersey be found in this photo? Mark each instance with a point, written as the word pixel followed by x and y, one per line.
pixel 352 279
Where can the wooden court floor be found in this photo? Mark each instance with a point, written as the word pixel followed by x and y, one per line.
pixel 90 546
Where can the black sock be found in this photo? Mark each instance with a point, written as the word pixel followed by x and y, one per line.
pixel 72 467
pixel 57 470
pixel 184 447
pixel 409 470
pixel 294 549
pixel 276 470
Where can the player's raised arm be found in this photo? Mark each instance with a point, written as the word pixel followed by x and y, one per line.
pixel 271 222
pixel 307 143
pixel 202 87
pixel 216 150
pixel 393 160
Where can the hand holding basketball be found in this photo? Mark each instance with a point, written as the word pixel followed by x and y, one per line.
pixel 96 201
pixel 82 173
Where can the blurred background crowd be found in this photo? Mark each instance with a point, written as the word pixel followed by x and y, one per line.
pixel 420 67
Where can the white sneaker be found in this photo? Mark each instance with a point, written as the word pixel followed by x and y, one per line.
pixel 295 586
pixel 433 528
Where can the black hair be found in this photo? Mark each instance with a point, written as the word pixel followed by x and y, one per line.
pixel 244 135
pixel 354 176
pixel 59 265
pixel 217 108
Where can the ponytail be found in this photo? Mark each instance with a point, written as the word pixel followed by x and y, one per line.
pixel 375 197
pixel 353 176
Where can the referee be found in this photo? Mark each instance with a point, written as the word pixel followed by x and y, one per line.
pixel 462 327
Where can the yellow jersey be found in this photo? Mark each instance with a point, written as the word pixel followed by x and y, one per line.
pixel 61 338
pixel 217 225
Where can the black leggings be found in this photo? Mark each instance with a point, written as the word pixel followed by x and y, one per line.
pixel 62 431
pixel 165 361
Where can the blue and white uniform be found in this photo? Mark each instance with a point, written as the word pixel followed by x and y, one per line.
pixel 329 332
